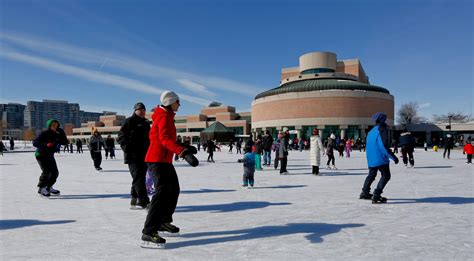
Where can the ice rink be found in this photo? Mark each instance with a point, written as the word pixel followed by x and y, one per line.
pixel 429 215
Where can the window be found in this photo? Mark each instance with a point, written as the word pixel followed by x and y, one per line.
pixel 317 70
pixel 180 121
pixel 196 129
pixel 181 130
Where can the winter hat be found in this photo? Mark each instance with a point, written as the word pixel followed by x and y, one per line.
pixel 168 97
pixel 50 122
pixel 448 135
pixel 379 117
pixel 315 131
pixel 138 106
pixel 333 136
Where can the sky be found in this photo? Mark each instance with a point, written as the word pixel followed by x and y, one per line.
pixel 110 54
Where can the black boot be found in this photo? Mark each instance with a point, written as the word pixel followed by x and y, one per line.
pixel 378 199
pixel 364 195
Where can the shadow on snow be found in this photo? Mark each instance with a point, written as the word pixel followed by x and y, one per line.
pixel 449 200
pixel 314 233
pixel 230 207
pixel 92 196
pixel 19 223
pixel 205 191
pixel 281 187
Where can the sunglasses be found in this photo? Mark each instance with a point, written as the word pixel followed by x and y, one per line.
pixel 177 102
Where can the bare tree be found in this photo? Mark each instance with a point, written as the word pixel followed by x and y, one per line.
pixel 458 117
pixel 408 114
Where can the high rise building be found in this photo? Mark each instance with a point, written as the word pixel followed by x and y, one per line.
pixel 12 115
pixel 38 113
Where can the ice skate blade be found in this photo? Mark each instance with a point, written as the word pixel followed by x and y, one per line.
pixel 136 208
pixel 151 245
pixel 168 234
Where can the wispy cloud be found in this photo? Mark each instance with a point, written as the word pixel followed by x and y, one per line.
pixel 425 105
pixel 196 87
pixel 128 64
pixel 91 75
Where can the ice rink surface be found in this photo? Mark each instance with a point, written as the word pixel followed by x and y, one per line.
pixel 429 215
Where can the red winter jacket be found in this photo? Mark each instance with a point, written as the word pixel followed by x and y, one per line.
pixel 469 149
pixel 162 137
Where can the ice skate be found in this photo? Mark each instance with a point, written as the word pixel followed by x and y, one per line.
pixel 140 206
pixel 333 167
pixel 378 199
pixel 44 192
pixel 153 242
pixel 167 229
pixel 53 191
pixel 364 195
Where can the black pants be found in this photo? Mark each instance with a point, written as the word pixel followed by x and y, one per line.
pixel 49 170
pixel 239 150
pixel 283 161
pixel 138 173
pixel 331 158
pixel 275 164
pixel 469 158
pixel 79 150
pixel 248 178
pixel 446 149
pixel 163 203
pixel 110 151
pixel 315 170
pixel 385 171
pixel 97 158
pixel 211 156
pixel 408 151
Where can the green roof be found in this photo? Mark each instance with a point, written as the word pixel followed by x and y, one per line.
pixel 217 127
pixel 321 85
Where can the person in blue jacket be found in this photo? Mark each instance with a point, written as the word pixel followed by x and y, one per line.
pixel 378 155
pixel 249 168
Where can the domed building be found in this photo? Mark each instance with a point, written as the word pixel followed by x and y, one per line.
pixel 334 96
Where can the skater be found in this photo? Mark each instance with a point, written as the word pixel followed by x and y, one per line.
pixel 66 147
pixel 315 150
pixel 249 168
pixel 330 151
pixel 378 155
pixel 12 144
pixel 276 148
pixel 96 143
pixel 348 148
pixel 79 146
pixel 425 146
pixel 341 146
pixel 2 147
pixel 238 146
pixel 46 144
pixel 231 145
pixel 71 148
pixel 210 149
pixel 258 153
pixel 199 146
pixel 448 146
pixel 282 154
pixel 267 148
pixel 110 147
pixel 469 150
pixel 160 158
pixel 133 138
pixel 407 143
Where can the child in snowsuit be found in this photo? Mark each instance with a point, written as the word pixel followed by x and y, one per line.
pixel 348 148
pixel 96 143
pixel 469 150
pixel 249 168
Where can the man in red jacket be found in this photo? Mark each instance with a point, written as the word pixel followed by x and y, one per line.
pixel 160 158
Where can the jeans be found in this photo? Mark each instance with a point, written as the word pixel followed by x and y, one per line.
pixel 385 171
pixel 267 157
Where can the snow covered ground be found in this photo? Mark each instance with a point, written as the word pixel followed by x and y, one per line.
pixel 299 216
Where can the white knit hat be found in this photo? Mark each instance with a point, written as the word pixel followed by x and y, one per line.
pixel 333 136
pixel 168 98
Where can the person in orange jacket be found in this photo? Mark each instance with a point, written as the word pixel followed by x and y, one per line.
pixel 160 164
pixel 469 150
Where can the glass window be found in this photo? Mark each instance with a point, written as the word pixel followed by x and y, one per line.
pixel 317 70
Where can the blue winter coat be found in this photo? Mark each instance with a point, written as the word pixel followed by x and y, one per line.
pixel 378 147
pixel 249 162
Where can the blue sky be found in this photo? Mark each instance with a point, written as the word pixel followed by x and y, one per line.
pixel 109 54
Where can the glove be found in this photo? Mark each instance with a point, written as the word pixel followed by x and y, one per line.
pixel 396 160
pixel 50 145
pixel 191 160
pixel 187 155
pixel 191 149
